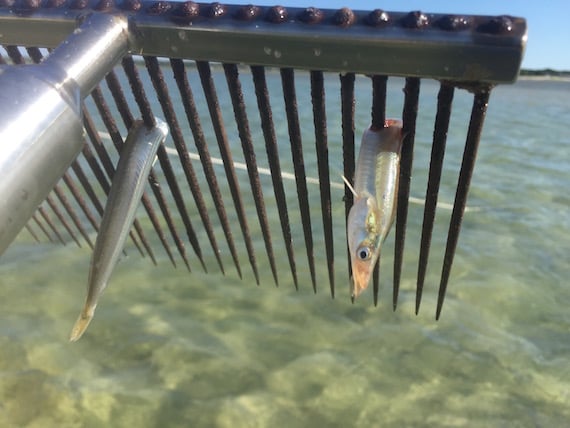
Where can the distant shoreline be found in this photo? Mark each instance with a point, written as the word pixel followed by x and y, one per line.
pixel 545 74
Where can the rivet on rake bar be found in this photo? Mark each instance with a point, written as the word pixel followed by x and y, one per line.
pixel 453 23
pixel 186 12
pixel 159 8
pixel 311 15
pixel 277 15
pixel 78 4
pixel 499 25
pixel 216 10
pixel 415 19
pixel 104 5
pixel 248 12
pixel 129 5
pixel 344 17
pixel 377 18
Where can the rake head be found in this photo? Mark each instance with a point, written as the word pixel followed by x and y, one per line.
pixel 272 91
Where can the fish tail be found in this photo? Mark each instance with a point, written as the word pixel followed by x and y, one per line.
pixel 81 324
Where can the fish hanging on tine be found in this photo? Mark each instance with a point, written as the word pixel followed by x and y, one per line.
pixel 375 196
pixel 126 191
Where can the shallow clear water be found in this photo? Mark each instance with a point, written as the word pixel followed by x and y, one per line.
pixel 169 348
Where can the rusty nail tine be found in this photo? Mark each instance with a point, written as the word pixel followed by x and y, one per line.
pixel 47 219
pixel 238 103
pixel 86 184
pixel 108 166
pixel 216 116
pixel 320 124
pixel 74 217
pixel 51 203
pixel 41 226
pixel 31 232
pixel 480 101
pixel 379 85
pixel 290 100
pixel 202 147
pixel 15 55
pixel 144 106
pixel 106 160
pixel 138 91
pixel 264 107
pixel 161 89
pixel 409 116
pixel 126 115
pixel 347 114
pixel 444 100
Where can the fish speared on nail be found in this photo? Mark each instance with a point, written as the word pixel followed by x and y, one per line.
pixel 375 192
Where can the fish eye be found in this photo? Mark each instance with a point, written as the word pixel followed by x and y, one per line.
pixel 363 253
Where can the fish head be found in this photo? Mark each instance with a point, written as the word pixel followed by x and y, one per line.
pixel 363 243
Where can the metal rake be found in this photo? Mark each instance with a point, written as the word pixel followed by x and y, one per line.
pixel 97 66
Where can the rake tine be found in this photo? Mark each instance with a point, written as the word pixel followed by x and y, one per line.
pixel 128 119
pixel 31 232
pixel 69 182
pixel 35 54
pixel 379 84
pixel 202 147
pixel 100 176
pixel 15 55
pixel 137 88
pixel 238 104
pixel 225 151
pixel 290 99
pixel 159 196
pixel 409 115
pixel 42 227
pixel 348 154
pixel 161 89
pixel 76 221
pixel 148 118
pixel 119 97
pixel 118 143
pixel 320 123
pixel 51 225
pixel 480 101
pixel 444 100
pixel 264 107
pixel 61 218
pixel 110 170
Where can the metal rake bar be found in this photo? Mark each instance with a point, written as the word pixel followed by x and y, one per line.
pixel 441 46
pixel 236 108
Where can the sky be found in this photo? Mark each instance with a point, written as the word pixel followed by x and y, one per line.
pixel 548 21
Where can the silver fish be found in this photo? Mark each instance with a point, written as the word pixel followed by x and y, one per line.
pixel 375 196
pixel 137 156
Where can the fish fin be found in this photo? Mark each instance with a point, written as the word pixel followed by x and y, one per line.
pixel 81 324
pixel 349 185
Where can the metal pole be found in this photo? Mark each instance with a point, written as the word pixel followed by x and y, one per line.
pixel 41 130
